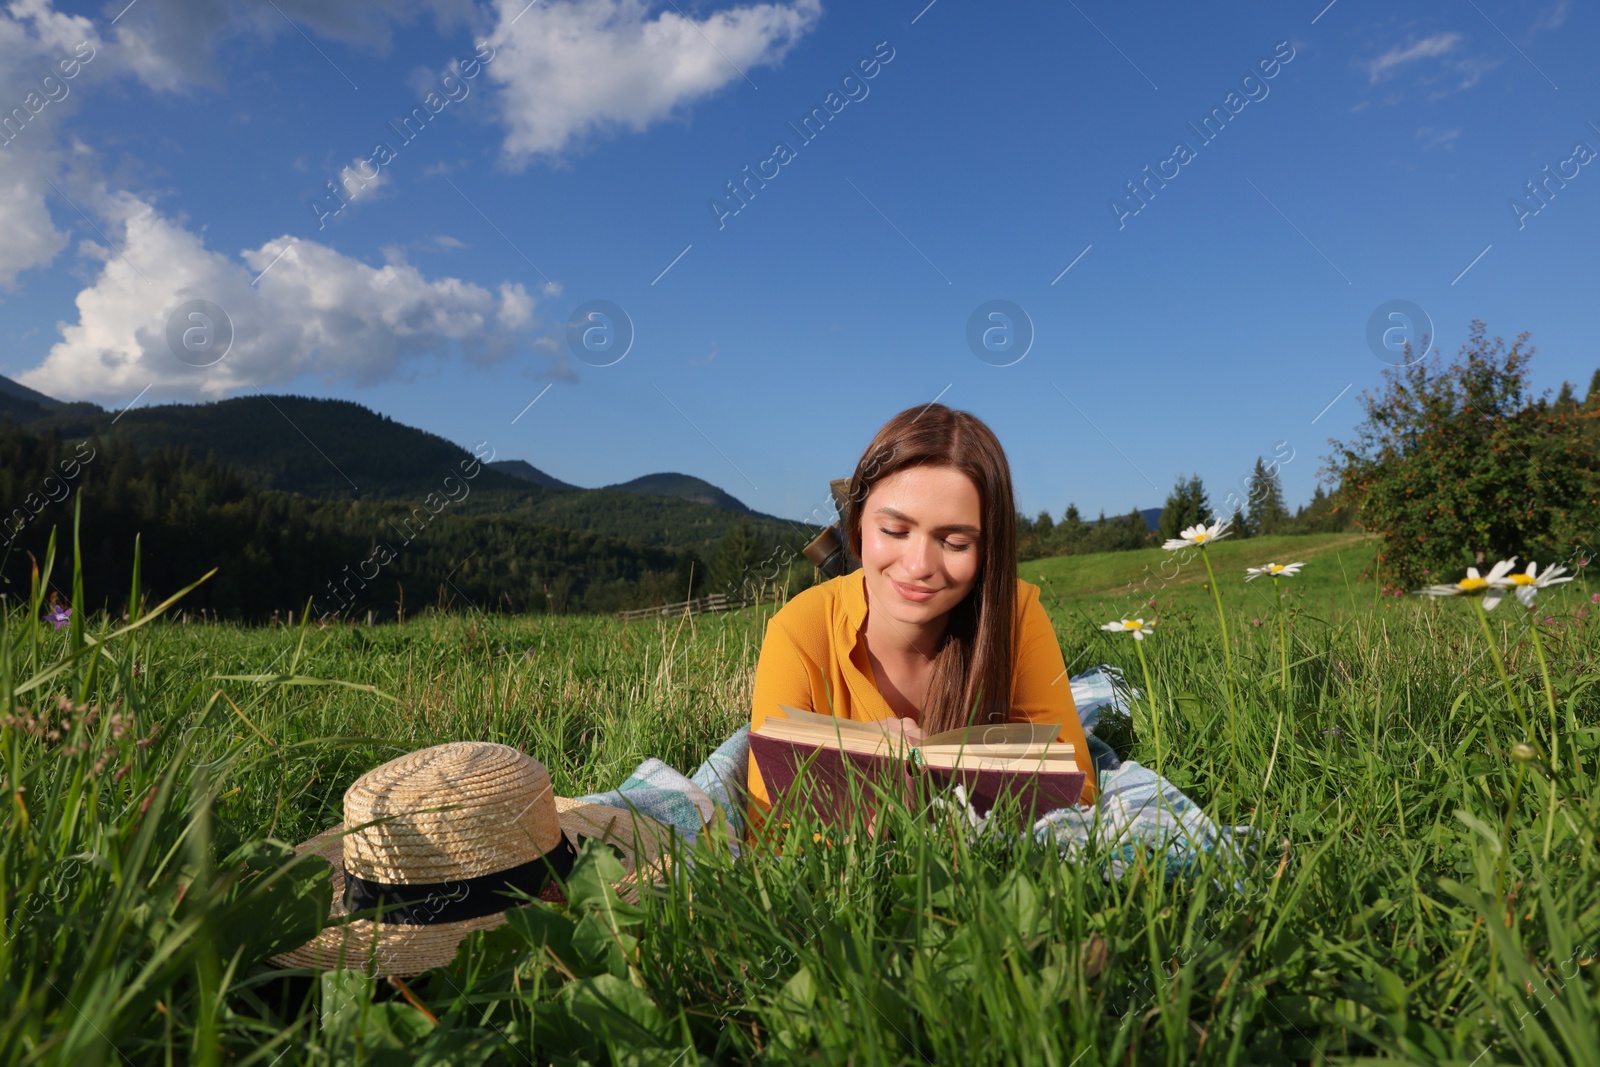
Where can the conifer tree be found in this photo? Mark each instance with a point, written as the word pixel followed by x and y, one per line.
pixel 1268 514
pixel 1185 506
pixel 1566 401
pixel 1592 399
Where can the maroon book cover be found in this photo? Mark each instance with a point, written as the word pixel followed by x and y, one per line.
pixel 837 782
pixel 1036 792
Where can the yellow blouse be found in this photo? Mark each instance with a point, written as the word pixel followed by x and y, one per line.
pixel 814 658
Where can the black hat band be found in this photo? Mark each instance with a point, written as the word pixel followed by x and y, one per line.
pixel 426 903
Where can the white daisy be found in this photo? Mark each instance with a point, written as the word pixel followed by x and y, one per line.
pixel 1492 586
pixel 1199 535
pixel 1273 570
pixel 1137 627
pixel 1528 584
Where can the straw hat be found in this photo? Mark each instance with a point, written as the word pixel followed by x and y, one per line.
pixel 435 838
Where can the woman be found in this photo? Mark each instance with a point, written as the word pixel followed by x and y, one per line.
pixel 934 631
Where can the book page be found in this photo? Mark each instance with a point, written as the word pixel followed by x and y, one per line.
pixel 1005 733
pixel 1041 750
pixel 830 722
pixel 982 759
pixel 826 735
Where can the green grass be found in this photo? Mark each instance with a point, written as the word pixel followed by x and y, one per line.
pixel 1124 582
pixel 1414 894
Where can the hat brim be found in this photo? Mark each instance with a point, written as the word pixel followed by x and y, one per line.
pixel 380 949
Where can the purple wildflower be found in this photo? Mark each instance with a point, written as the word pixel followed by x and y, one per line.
pixel 59 617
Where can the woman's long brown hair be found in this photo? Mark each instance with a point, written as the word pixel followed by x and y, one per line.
pixel 972 670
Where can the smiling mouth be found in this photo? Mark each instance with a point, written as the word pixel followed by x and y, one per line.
pixel 911 592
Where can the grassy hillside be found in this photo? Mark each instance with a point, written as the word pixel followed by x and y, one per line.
pixel 1109 583
pixel 1408 890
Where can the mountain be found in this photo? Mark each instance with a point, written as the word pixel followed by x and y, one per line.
pixel 21 404
pixel 341 450
pixel 521 468
pixel 19 391
pixel 275 552
pixel 685 487
pixel 667 484
pixel 319 448
pixel 1152 517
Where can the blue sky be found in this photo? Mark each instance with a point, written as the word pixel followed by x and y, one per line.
pixel 980 160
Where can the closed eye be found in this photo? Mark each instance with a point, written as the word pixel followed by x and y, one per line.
pixel 954 546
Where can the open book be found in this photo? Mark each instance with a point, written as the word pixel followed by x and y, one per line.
pixel 842 764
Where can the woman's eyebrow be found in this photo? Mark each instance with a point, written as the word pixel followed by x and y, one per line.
pixel 957 527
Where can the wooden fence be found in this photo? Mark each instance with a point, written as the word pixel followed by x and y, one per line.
pixel 696 606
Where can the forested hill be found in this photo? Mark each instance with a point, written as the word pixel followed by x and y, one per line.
pixel 340 450
pixel 319 448
pixel 521 468
pixel 685 487
pixel 276 552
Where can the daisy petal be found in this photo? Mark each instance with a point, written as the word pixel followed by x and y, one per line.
pixel 1501 569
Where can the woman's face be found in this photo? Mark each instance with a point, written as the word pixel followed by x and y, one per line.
pixel 920 542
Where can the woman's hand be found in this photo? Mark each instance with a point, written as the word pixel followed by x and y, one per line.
pixel 906 729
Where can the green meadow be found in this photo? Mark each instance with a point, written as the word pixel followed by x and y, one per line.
pixel 1099 582
pixel 1420 883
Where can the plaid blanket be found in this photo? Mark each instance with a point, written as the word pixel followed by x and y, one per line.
pixel 1139 814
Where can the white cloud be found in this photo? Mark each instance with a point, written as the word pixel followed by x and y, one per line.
pixel 1430 47
pixel 1472 71
pixel 171 45
pixel 572 70
pixel 355 183
pixel 311 310
pixel 1432 137
pixel 1552 17
pixel 31 239
pixel 35 99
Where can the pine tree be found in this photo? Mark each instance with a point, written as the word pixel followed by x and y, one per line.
pixel 1136 532
pixel 1187 505
pixel 1566 402
pixel 734 567
pixel 1592 400
pixel 1319 515
pixel 1268 515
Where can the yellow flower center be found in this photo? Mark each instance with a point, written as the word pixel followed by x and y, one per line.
pixel 1136 624
pixel 1522 579
pixel 1274 567
pixel 1472 585
pixel 1199 537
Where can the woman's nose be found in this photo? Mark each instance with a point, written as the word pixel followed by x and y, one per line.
pixel 918 560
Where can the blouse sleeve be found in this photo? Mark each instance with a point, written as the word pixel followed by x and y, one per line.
pixel 785 674
pixel 1041 691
